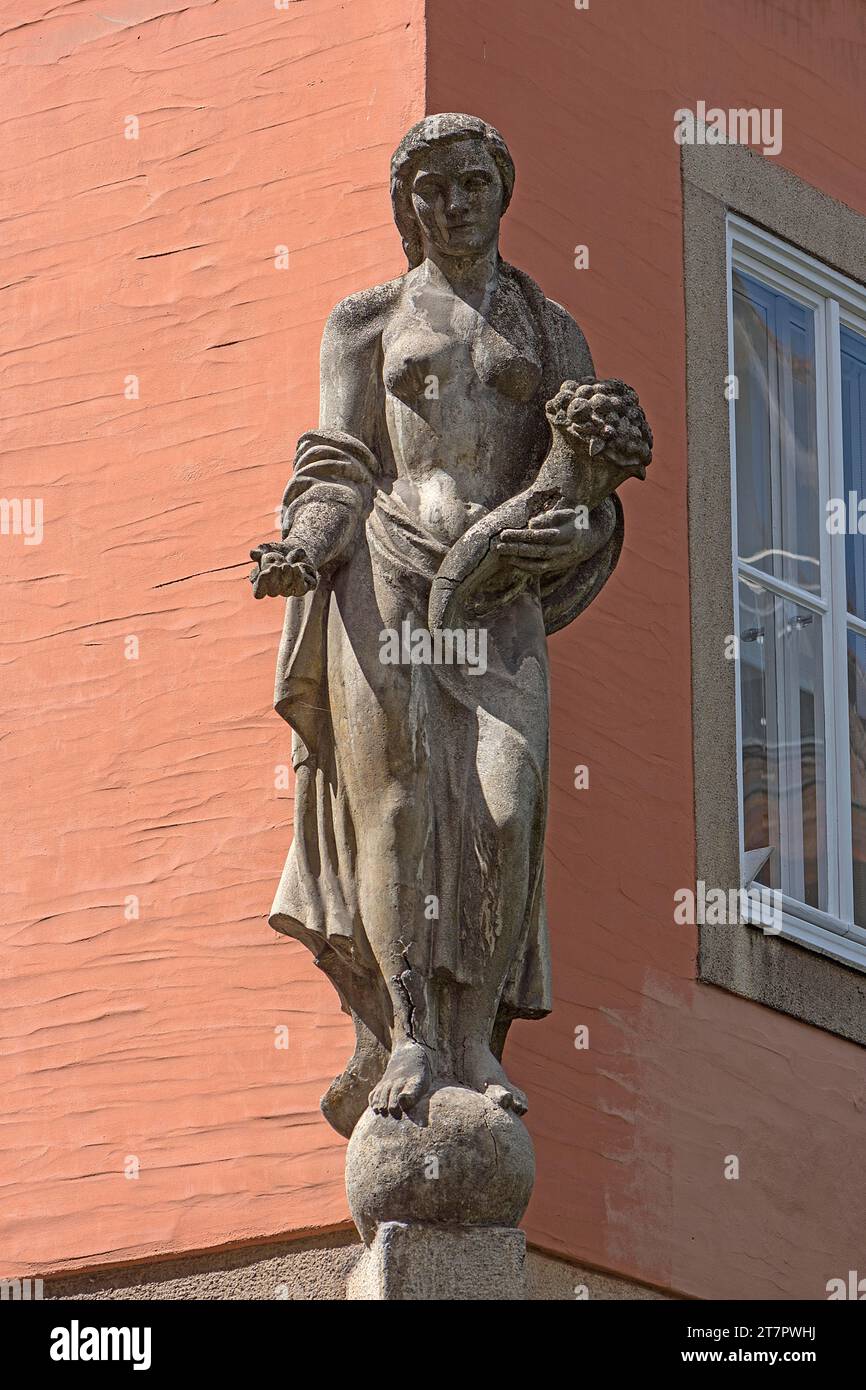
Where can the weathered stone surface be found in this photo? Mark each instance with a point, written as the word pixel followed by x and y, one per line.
pixel 441 1263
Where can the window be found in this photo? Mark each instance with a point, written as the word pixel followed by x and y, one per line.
pixel 797 347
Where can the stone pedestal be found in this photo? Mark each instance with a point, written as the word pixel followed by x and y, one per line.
pixel 456 1160
pixel 415 1262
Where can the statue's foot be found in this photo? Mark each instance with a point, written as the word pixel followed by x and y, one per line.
pixel 406 1079
pixel 483 1073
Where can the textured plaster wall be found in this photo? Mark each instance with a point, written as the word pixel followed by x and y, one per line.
pixel 155 1037
pixel 155 776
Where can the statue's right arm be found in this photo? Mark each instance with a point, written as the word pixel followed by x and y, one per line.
pixel 349 367
pixel 322 521
pixel 350 381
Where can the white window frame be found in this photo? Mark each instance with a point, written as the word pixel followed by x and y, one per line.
pixel 838 302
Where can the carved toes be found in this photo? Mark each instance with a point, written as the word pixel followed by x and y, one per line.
pixel 406 1078
pixel 509 1097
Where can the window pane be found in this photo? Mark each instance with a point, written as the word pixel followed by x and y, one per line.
pixel 857 728
pixel 775 414
pixel 783 753
pixel 854 458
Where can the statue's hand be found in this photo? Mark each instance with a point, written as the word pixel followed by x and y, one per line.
pixel 281 570
pixel 557 540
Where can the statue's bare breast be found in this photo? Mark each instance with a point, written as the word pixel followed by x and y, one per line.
pixel 461 406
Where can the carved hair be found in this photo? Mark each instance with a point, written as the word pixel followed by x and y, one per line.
pixel 437 130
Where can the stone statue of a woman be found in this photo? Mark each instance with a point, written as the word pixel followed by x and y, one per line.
pixel 416 872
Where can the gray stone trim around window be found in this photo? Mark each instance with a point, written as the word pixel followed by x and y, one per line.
pixel 717 179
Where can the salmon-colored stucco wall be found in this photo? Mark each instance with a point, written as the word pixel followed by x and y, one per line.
pixel 155 776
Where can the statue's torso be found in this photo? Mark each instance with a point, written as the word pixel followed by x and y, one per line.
pixel 462 405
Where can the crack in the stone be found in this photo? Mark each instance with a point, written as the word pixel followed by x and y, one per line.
pixel 401 981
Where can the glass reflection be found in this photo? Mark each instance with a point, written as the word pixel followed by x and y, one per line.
pixel 783 753
pixel 776 433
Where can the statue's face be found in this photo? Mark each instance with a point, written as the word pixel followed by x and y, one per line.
pixel 457 196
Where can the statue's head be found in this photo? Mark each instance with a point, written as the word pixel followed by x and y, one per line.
pixel 451 181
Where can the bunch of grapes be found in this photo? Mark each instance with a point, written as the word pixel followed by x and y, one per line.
pixel 606 415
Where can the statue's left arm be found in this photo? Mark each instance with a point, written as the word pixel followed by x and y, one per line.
pixel 572 561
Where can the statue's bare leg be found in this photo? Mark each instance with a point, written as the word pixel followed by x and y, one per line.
pixel 474 1016
pixel 512 794
pixel 480 1068
pixel 408 1075
pixel 389 912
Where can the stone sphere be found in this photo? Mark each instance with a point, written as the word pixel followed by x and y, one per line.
pixel 456 1158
